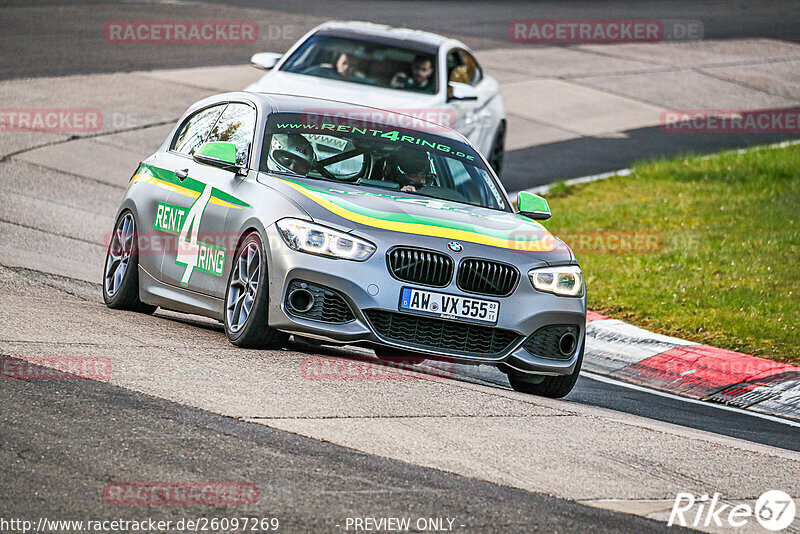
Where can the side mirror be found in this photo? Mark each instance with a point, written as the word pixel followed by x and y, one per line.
pixel 218 154
pixel 533 206
pixel 461 91
pixel 265 60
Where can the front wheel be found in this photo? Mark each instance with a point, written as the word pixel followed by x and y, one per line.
pixel 121 273
pixel 554 387
pixel 247 299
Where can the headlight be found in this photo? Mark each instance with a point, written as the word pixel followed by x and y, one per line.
pixel 565 281
pixel 313 238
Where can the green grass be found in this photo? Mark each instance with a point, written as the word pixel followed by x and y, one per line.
pixel 729 270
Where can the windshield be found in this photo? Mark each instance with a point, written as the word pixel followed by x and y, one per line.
pixel 364 62
pixel 365 154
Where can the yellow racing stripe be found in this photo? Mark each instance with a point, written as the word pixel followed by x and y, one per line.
pixel 150 179
pixel 547 243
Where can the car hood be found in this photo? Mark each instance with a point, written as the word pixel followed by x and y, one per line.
pixel 380 214
pixel 312 86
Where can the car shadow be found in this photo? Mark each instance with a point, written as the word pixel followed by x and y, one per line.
pixel 190 320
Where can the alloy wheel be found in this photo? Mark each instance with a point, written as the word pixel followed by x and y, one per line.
pixel 243 287
pixel 119 254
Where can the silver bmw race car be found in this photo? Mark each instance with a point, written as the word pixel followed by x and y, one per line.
pixel 266 213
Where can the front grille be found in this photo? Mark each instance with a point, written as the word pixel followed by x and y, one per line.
pixel 440 334
pixel 421 266
pixel 487 277
pixel 544 343
pixel 328 307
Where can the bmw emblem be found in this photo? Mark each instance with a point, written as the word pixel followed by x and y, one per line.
pixel 455 247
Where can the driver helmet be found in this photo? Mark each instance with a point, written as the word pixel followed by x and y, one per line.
pixel 408 166
pixel 291 153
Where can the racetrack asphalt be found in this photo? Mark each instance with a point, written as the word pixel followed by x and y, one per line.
pixel 183 404
pixel 63 441
pixel 62 445
pixel 62 37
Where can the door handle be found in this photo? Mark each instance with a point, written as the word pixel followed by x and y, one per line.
pixel 181 174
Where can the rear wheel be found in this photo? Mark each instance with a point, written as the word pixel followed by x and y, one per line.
pixel 554 387
pixel 498 149
pixel 247 299
pixel 121 274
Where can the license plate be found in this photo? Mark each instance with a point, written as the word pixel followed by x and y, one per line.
pixel 448 306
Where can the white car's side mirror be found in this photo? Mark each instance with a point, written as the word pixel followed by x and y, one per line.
pixel 265 60
pixel 461 91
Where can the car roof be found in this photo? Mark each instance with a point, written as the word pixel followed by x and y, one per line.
pixel 305 104
pixel 370 29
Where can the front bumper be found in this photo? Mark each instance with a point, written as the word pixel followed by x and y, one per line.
pixel 369 285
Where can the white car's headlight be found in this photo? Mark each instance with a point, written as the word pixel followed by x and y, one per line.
pixel 566 281
pixel 313 238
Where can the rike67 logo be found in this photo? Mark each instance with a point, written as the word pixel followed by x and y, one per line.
pixel 774 510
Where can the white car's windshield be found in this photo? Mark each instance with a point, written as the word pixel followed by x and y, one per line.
pixel 364 62
pixel 378 156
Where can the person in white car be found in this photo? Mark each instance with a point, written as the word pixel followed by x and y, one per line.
pixel 348 67
pixel 421 75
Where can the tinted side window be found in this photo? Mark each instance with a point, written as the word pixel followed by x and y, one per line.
pixel 236 126
pixel 195 129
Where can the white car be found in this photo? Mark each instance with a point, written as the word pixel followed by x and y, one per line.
pixel 421 74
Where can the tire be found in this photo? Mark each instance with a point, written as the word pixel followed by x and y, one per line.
pixel 391 354
pixel 554 387
pixel 498 150
pixel 247 299
pixel 121 271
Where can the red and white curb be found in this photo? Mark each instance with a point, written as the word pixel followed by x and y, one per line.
pixel 621 352
pixel 634 355
pixel 630 354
